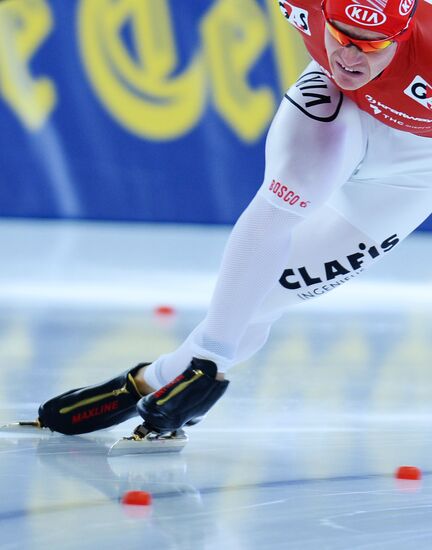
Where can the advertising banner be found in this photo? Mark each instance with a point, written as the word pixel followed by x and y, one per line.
pixel 140 110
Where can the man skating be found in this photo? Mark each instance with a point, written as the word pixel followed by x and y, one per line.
pixel 348 176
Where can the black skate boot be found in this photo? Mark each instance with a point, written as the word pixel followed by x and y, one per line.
pixel 184 400
pixel 91 408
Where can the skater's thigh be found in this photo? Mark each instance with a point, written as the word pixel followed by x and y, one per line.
pixel 343 238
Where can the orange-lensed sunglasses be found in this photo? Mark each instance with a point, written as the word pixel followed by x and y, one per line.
pixel 366 46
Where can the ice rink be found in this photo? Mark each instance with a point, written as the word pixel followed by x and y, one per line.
pixel 299 454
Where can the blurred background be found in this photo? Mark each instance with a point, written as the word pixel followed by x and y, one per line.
pixel 139 110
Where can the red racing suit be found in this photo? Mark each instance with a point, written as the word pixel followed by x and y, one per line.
pixel 401 96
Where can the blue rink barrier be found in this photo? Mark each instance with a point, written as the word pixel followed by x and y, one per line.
pixel 143 111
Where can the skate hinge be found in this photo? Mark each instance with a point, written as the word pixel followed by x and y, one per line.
pixel 31 423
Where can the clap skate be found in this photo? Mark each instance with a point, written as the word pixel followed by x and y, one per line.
pixel 86 409
pixel 182 402
pixel 144 441
pixel 29 426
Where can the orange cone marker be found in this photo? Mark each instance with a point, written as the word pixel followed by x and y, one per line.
pixel 408 472
pixel 137 498
pixel 164 311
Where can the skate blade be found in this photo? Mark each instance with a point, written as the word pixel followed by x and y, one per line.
pixel 23 427
pixel 151 443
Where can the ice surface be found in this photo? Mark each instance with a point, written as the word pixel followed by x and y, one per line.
pixel 299 454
